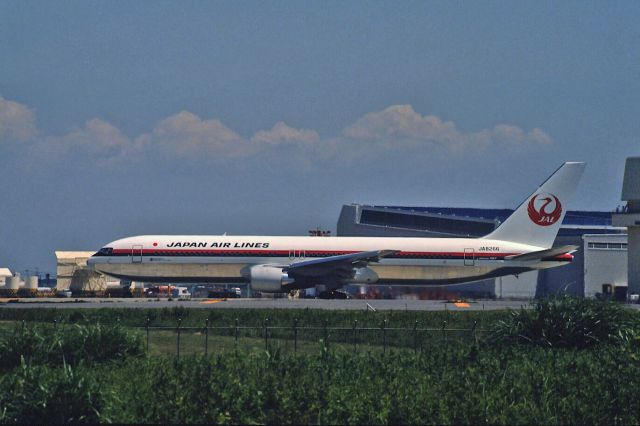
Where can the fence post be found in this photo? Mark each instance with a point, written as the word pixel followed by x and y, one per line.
pixel 355 335
pixel 384 336
pixel 178 339
pixel 415 337
pixel 266 334
pixel 55 323
pixel 475 337
pixel 237 331
pixel 295 335
pixel 326 334
pixel 444 331
pixel 147 327
pixel 206 337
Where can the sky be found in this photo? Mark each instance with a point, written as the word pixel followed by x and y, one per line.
pixel 265 117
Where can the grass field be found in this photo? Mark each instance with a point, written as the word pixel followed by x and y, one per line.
pixel 252 317
pixel 193 342
pixel 567 361
pixel 166 340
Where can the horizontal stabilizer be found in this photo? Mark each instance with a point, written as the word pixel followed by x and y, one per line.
pixel 543 254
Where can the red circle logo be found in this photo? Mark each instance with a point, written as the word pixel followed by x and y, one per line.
pixel 544 209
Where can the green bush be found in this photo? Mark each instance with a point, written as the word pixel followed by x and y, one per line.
pixel 195 317
pixel 567 321
pixel 561 381
pixel 251 321
pixel 41 394
pixel 513 385
pixel 71 344
pixel 517 385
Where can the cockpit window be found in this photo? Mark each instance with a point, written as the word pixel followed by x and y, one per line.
pixel 104 251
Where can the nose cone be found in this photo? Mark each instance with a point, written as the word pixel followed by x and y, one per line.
pixel 98 260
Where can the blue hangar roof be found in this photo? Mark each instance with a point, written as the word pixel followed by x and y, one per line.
pixel 572 218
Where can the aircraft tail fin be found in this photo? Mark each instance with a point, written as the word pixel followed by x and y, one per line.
pixel 537 220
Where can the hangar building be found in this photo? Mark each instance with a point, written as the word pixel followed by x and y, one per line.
pixel 629 217
pixel 74 275
pixel 605 265
pixel 450 222
pixel 4 274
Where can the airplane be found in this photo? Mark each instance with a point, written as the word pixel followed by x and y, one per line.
pixel 278 264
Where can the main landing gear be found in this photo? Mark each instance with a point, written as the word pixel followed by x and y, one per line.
pixel 333 294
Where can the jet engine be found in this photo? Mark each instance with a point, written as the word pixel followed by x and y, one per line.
pixel 268 279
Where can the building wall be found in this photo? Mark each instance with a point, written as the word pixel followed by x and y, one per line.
pixel 67 263
pixel 524 286
pixel 4 274
pixel 567 278
pixel 379 221
pixel 633 259
pixel 349 225
pixel 605 262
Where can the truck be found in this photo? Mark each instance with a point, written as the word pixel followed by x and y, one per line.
pixel 181 293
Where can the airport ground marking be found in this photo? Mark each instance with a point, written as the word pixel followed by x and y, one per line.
pixel 209 302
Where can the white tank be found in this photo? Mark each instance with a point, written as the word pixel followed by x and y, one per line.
pixel 31 283
pixel 13 283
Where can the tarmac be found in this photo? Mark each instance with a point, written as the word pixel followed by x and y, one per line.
pixel 352 304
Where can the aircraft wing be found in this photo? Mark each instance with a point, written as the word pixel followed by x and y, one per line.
pixel 342 265
pixel 543 254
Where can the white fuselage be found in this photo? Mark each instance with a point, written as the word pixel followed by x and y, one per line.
pixel 419 261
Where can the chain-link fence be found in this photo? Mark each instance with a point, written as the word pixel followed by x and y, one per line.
pixel 209 339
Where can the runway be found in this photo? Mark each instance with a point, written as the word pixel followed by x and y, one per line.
pixel 353 304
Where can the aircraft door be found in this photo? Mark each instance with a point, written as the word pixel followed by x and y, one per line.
pixel 469 257
pixel 136 254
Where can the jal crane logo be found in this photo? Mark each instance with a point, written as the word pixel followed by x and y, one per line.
pixel 544 209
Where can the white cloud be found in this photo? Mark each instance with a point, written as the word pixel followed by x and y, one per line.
pixel 281 133
pixel 187 134
pixel 397 130
pixel 400 125
pixel 97 142
pixel 512 135
pixel 17 122
pixel 400 122
pixel 97 135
